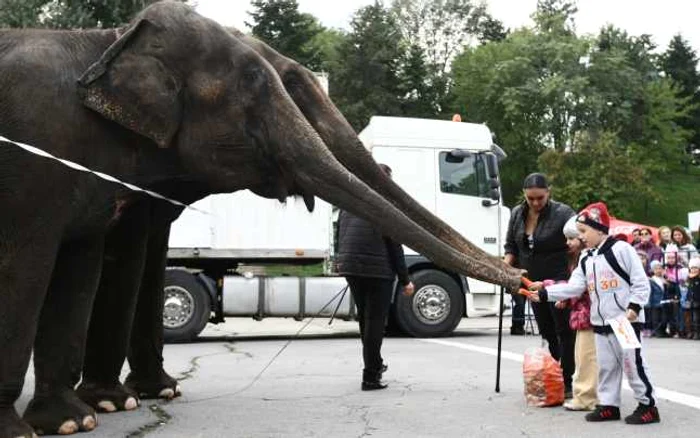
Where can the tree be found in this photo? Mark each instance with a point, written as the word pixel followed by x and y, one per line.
pixel 595 170
pixel 366 82
pixel 280 24
pixel 491 30
pixel 69 14
pixel 679 63
pixel 530 88
pixel 438 30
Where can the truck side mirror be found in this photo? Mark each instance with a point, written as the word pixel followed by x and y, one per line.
pixel 493 199
pixel 491 165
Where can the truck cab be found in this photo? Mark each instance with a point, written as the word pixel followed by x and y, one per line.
pixel 451 169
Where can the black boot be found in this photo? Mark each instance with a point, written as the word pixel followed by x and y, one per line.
pixel 373 385
pixel 517 330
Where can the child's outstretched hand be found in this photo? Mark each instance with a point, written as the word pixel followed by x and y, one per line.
pixel 531 295
pixel 536 285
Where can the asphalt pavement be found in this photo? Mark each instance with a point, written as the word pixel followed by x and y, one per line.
pixel 269 379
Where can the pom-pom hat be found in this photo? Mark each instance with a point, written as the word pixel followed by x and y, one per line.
pixel 595 216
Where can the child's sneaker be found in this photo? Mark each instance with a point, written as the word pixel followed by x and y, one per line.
pixel 644 414
pixel 604 413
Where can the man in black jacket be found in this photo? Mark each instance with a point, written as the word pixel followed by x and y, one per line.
pixel 535 242
pixel 370 262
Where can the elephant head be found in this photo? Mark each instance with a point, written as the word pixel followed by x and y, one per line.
pixel 344 144
pixel 200 92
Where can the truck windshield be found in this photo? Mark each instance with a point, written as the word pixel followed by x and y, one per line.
pixel 464 175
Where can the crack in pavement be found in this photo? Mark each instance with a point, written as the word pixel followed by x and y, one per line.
pixel 194 362
pixel 162 418
pixel 231 349
pixel 365 417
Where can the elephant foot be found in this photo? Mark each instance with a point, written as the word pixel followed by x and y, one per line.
pixel 61 414
pixel 159 385
pixel 108 397
pixel 11 426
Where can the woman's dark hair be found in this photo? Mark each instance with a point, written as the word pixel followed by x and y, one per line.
pixel 535 181
pixel 686 239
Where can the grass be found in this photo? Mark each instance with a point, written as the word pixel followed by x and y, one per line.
pixel 681 194
pixel 314 270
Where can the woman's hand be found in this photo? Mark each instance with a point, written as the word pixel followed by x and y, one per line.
pixel 631 315
pixel 408 289
pixel 560 305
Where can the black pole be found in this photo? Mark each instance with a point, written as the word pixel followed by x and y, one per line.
pixel 500 339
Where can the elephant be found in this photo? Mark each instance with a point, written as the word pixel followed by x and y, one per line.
pixel 109 335
pixel 173 103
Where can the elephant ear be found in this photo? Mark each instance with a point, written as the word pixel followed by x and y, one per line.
pixel 130 85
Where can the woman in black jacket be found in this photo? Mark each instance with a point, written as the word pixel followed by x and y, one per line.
pixel 370 262
pixel 535 242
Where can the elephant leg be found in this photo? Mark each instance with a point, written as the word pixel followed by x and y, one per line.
pixel 25 272
pixel 147 377
pixel 60 341
pixel 113 313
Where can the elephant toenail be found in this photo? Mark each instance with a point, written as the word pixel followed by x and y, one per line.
pixel 89 422
pixel 107 406
pixel 67 428
pixel 167 393
pixel 131 404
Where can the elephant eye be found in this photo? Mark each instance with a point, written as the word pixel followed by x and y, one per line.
pixel 254 76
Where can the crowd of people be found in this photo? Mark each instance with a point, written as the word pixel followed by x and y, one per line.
pixel 672 264
pixel 651 283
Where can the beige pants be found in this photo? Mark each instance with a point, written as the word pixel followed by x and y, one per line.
pixel 585 379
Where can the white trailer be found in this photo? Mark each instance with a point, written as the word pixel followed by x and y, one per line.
pixel 450 168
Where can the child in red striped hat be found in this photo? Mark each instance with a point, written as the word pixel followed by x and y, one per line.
pixel 614 276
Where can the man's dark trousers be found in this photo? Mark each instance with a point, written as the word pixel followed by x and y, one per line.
pixel 373 299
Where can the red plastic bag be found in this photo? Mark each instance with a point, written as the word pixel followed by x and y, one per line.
pixel 544 381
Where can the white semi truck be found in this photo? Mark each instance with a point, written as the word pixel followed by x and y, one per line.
pixel 450 168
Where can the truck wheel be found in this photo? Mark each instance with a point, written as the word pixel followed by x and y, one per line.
pixel 434 309
pixel 187 306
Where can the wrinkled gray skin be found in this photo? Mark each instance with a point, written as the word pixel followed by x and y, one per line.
pixel 175 104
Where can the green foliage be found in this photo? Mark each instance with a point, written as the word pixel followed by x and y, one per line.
pixel 280 24
pixel 366 82
pixel 20 13
pixel 577 108
pixel 69 14
pixel 679 195
pixel 679 63
pixel 433 32
pixel 594 171
pixel 530 90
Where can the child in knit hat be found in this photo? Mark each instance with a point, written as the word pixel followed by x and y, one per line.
pixel 585 378
pixel 618 286
pixel 694 295
pixel 660 319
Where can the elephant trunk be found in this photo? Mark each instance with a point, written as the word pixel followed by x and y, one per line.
pixel 319 173
pixel 347 148
pixel 344 144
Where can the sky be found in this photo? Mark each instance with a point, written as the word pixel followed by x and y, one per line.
pixel 662 19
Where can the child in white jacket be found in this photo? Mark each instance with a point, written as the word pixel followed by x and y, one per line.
pixel 614 276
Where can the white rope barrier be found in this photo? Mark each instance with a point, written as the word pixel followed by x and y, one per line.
pixel 36 151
